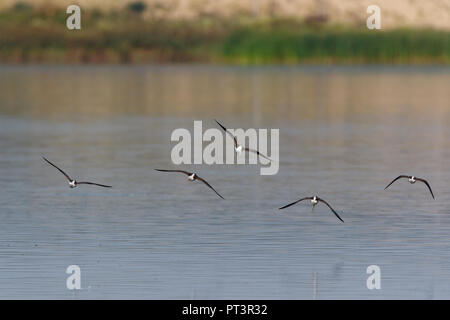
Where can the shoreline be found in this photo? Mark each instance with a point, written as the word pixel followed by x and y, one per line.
pixel 33 37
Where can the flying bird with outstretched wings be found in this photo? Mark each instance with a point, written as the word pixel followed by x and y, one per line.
pixel 314 201
pixel 72 182
pixel 412 180
pixel 238 148
pixel 192 177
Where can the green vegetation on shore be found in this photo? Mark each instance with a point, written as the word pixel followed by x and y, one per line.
pixel 29 35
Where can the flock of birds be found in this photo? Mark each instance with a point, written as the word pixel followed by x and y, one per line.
pixel 192 176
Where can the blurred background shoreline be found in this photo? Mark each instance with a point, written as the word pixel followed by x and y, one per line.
pixel 251 32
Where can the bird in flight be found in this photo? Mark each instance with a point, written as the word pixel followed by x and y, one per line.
pixel 73 183
pixel 412 180
pixel 314 200
pixel 192 177
pixel 238 148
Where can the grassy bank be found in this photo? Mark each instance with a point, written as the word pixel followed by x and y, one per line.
pixel 30 35
pixel 337 46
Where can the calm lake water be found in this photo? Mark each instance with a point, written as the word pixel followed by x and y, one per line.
pixel 345 132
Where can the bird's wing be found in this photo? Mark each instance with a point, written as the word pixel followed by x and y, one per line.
pixel 182 171
pixel 291 204
pixel 428 185
pixel 205 182
pixel 95 184
pixel 231 135
pixel 258 153
pixel 65 174
pixel 399 177
pixel 335 213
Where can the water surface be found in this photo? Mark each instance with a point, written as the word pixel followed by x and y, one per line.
pixel 344 134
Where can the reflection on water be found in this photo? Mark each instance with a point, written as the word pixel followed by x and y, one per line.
pixel 344 134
